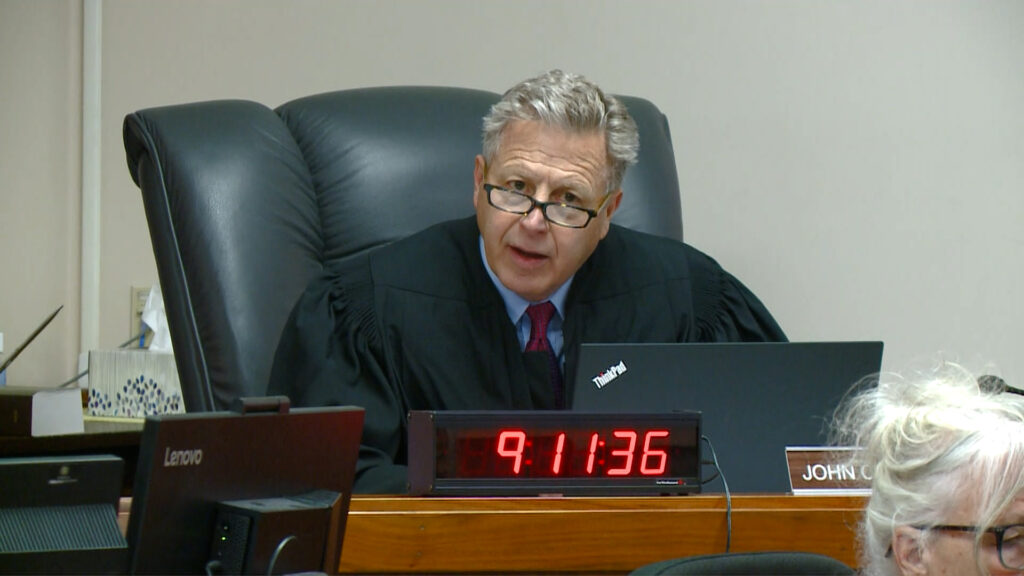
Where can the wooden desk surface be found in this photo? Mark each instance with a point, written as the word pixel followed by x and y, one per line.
pixel 405 535
pixel 102 436
pixel 401 534
pixel 585 535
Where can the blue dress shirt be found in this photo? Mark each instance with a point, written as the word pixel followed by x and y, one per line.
pixel 516 306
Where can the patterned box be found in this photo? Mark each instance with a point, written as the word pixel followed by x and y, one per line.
pixel 133 384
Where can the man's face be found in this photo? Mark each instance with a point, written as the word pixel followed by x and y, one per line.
pixel 531 256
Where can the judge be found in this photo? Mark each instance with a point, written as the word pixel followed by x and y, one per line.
pixel 487 312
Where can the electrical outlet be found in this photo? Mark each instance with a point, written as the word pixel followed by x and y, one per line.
pixel 139 296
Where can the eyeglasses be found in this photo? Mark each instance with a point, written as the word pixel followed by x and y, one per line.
pixel 1009 541
pixel 565 215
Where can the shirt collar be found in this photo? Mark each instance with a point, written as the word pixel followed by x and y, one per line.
pixel 515 304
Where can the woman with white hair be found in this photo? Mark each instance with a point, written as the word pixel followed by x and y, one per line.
pixel 948 485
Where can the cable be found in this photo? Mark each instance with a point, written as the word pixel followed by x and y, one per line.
pixel 277 552
pixel 728 496
pixel 86 371
pixel 73 379
pixel 213 567
pixel 138 337
pixel 711 478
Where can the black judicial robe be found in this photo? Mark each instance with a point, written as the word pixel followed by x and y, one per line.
pixel 418 325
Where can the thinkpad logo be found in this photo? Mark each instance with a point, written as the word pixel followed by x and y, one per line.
pixel 613 372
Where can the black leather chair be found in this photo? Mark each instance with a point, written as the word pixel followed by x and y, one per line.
pixel 246 204
pixel 748 564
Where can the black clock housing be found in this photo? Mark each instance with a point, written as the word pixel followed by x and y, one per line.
pixel 496 453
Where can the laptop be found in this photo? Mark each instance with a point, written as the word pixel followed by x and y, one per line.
pixel 756 398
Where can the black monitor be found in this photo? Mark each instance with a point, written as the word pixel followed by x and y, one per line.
pixel 255 467
pixel 58 515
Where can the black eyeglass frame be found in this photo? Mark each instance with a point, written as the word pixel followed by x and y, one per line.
pixel 999 531
pixel 534 203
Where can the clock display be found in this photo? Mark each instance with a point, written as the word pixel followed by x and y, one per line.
pixel 495 453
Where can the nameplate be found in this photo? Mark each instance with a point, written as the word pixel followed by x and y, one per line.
pixel 826 470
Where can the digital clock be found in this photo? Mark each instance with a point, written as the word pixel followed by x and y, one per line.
pixel 486 453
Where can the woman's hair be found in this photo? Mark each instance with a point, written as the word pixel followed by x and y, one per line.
pixel 572 103
pixel 932 441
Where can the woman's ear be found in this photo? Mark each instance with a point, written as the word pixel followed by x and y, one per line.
pixel 907 550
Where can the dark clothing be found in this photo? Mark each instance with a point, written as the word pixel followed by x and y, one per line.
pixel 418 325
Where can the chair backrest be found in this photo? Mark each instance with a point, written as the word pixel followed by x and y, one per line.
pixel 246 205
pixel 748 564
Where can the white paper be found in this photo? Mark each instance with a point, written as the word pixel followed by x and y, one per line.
pixel 154 316
pixel 57 411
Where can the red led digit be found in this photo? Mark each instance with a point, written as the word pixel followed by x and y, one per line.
pixel 626 452
pixel 660 455
pixel 518 438
pixel 556 468
pixel 593 451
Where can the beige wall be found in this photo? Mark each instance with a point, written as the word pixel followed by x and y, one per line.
pixel 860 165
pixel 40 166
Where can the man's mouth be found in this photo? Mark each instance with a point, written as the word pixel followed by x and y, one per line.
pixel 527 256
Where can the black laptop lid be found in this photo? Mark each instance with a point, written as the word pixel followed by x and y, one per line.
pixel 756 398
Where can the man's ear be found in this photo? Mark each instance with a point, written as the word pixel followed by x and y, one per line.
pixel 610 206
pixel 613 203
pixel 907 550
pixel 479 166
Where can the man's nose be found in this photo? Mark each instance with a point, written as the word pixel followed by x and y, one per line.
pixel 534 219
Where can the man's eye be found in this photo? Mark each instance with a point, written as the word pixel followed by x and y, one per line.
pixel 517 185
pixel 570 198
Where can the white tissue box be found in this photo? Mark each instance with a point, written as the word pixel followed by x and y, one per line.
pixel 133 384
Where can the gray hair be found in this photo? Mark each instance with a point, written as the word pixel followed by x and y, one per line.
pixel 573 103
pixel 929 439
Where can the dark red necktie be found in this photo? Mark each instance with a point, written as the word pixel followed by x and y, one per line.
pixel 540 315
